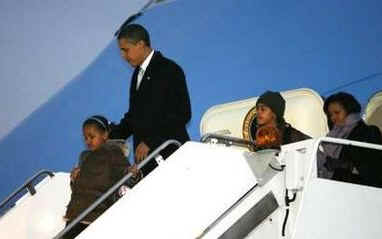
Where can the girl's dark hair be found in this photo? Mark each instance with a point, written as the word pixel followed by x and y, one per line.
pixel 98 121
pixel 346 100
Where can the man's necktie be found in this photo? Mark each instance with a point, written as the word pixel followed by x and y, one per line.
pixel 141 72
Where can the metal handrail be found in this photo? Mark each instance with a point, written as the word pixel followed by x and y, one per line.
pixel 28 185
pixel 347 142
pixel 115 187
pixel 227 140
pixel 316 146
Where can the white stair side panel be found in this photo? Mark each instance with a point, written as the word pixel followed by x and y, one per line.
pixel 39 216
pixel 339 210
pixel 179 199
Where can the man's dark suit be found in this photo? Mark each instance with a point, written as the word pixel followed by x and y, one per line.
pixel 160 109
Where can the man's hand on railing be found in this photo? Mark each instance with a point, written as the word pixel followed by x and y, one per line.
pixel 134 179
pixel 141 152
pixel 135 171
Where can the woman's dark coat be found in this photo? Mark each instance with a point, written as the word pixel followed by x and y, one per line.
pixel 368 162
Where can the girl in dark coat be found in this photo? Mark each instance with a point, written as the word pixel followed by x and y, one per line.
pixel 100 167
pixel 270 109
pixel 349 163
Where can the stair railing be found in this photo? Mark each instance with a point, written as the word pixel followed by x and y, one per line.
pixel 227 140
pixel 27 185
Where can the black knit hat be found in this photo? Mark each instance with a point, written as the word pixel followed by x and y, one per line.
pixel 275 101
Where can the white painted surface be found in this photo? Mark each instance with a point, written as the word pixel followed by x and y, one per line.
pixel 339 210
pixel 39 216
pixel 196 185
pixel 180 198
pixel 374 110
pixel 303 111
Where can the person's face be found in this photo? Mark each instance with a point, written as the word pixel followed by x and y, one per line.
pixel 264 115
pixel 337 114
pixel 94 137
pixel 132 53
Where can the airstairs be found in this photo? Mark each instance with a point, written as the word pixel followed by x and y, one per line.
pixel 37 214
pixel 217 188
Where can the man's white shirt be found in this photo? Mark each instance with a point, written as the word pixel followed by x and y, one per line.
pixel 143 67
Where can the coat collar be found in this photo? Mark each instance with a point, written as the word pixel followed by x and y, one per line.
pixel 151 65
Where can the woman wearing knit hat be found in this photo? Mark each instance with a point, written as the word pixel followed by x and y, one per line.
pixel 270 109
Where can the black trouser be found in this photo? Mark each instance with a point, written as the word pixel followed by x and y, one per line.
pixel 75 231
pixel 152 164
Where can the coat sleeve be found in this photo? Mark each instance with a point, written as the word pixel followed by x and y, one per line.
pixel 121 130
pixel 368 162
pixel 367 134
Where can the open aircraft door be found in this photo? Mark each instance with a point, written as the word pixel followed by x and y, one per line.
pixel 373 112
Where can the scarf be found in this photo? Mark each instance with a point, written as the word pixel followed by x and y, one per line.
pixel 333 150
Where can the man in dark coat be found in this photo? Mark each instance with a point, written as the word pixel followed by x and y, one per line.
pixel 159 106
